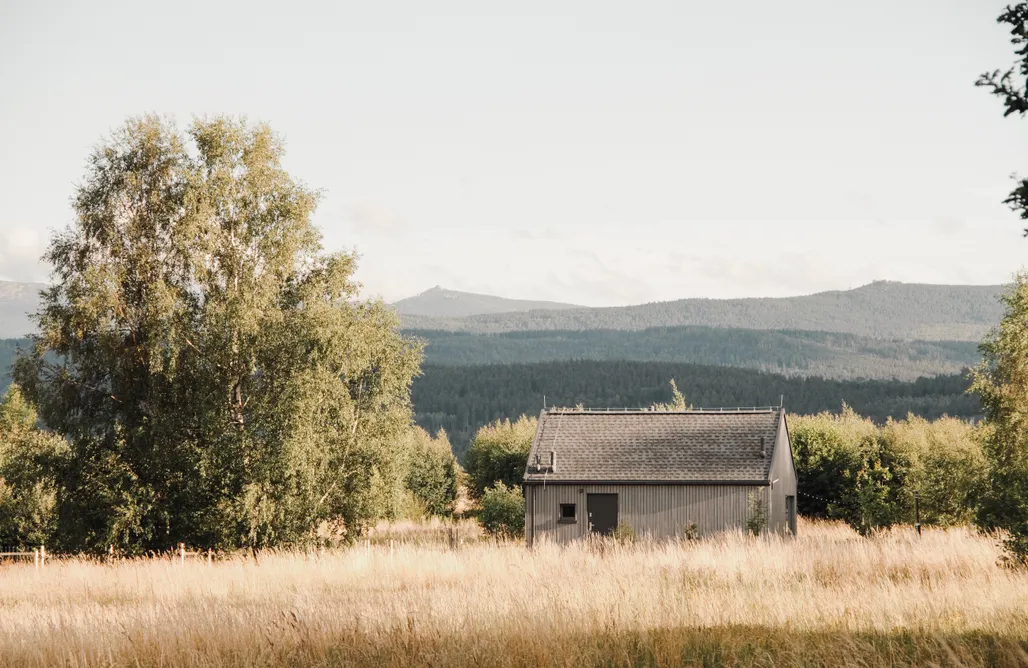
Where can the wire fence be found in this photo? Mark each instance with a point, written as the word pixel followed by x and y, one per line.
pixel 38 555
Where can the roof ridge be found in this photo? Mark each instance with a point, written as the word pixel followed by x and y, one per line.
pixel 762 410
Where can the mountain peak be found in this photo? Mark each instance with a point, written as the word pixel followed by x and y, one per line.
pixel 440 302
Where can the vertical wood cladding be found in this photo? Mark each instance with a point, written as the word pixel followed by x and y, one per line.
pixel 658 511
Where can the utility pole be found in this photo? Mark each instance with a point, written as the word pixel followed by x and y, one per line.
pixel 917 513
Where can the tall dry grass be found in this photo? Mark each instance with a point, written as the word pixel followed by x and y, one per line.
pixel 825 598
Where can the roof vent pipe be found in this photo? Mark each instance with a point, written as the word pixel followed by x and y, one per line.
pixel 763 448
pixel 553 460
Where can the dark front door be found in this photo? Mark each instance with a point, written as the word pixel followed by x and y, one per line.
pixel 603 513
pixel 790 513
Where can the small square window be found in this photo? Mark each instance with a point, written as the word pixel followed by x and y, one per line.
pixel 568 514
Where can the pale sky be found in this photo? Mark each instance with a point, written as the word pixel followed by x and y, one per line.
pixel 594 152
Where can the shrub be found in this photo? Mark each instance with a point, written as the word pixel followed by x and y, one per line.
pixel 503 511
pixel 30 460
pixel 434 475
pixel 624 533
pixel 869 506
pixel 757 521
pixel 499 452
pixel 826 450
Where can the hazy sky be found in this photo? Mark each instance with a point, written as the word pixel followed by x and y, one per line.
pixel 596 152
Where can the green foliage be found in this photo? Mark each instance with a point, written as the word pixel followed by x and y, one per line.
pixel 1010 87
pixel 692 532
pixel 756 519
pixel 503 511
pixel 434 476
pixel 943 460
pixel 624 533
pixel 828 354
pixel 219 382
pixel 940 459
pixel 677 403
pixel 499 453
pixel 869 505
pixel 1002 383
pixel 462 399
pixel 827 453
pixel 30 460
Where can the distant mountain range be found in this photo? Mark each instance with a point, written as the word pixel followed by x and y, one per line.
pixel 882 310
pixel 17 300
pixel 879 331
pixel 439 302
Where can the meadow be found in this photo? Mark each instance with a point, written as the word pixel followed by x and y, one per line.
pixel 418 597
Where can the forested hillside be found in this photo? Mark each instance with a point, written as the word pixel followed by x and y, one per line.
pixel 462 398
pixel 828 354
pixel 443 303
pixel 8 348
pixel 883 309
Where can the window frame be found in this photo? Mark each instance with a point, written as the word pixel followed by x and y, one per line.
pixel 561 519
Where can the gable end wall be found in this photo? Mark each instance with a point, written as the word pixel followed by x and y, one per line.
pixel 783 477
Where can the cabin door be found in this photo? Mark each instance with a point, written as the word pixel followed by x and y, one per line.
pixel 603 513
pixel 790 513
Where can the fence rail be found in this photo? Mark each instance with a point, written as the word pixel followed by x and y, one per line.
pixel 38 555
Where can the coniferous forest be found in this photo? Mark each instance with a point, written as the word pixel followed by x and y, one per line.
pixel 460 399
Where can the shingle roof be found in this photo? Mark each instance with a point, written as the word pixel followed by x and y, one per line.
pixel 688 446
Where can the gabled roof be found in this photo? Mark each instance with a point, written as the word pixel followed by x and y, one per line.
pixel 654 447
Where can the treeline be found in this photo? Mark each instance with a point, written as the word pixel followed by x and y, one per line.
pixel 417 476
pixel 882 310
pixel 462 399
pixel 792 352
pixel 848 468
pixel 868 474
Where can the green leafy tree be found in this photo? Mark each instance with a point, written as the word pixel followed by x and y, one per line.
pixel 503 511
pixel 499 453
pixel 870 504
pixel 827 453
pixel 220 383
pixel 30 460
pixel 1009 86
pixel 942 460
pixel 1002 384
pixel 434 476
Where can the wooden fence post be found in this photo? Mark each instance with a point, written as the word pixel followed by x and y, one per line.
pixel 42 555
pixel 182 553
pixel 209 556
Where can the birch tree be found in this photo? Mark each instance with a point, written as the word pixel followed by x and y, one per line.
pixel 221 382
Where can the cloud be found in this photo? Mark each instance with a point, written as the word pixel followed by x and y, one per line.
pixel 20 251
pixel 949 225
pixel 375 218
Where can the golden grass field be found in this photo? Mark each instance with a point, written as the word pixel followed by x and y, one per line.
pixel 826 598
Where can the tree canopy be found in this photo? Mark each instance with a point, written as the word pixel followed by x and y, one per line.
pixel 1010 86
pixel 220 380
pixel 1002 383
